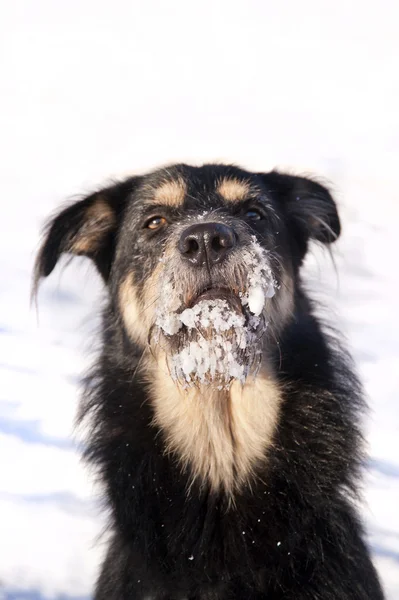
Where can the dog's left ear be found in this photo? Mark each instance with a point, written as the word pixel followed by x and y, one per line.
pixel 87 228
pixel 309 207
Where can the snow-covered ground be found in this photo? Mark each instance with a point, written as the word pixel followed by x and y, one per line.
pixel 93 89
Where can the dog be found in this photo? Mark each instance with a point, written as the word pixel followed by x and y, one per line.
pixel 223 416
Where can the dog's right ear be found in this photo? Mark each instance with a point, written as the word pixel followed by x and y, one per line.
pixel 88 227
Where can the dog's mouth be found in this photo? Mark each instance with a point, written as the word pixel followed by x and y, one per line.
pixel 211 293
pixel 213 331
pixel 214 340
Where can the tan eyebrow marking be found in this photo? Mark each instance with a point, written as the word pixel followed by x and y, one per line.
pixel 233 190
pixel 171 193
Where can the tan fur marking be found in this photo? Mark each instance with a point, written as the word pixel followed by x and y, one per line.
pixel 220 436
pixel 171 193
pixel 132 311
pixel 99 219
pixel 85 245
pixel 101 210
pixel 233 190
pixel 139 313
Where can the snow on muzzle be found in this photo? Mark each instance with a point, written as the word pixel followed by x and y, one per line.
pixel 217 339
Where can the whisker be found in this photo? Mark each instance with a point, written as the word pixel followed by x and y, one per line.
pixel 277 344
pixel 137 366
pixel 326 226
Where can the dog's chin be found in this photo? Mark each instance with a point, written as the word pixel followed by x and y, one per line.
pixel 213 343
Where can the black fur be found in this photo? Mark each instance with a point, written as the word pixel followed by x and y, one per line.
pixel 291 534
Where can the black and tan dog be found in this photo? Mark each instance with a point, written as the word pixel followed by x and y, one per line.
pixel 223 418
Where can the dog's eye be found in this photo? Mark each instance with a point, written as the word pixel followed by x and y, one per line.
pixel 155 222
pixel 253 215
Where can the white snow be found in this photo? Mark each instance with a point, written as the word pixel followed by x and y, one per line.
pixel 170 323
pixel 261 284
pixel 213 356
pixel 89 91
pixel 256 300
pixel 212 313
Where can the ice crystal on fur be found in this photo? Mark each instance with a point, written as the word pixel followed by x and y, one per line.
pixel 261 283
pixel 215 313
pixel 216 354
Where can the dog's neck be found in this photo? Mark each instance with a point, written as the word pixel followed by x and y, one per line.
pixel 220 436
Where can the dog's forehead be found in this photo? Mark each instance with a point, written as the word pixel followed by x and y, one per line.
pixel 176 185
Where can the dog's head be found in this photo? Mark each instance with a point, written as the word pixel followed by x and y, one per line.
pixel 200 262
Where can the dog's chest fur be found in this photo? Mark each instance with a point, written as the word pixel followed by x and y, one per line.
pixel 221 436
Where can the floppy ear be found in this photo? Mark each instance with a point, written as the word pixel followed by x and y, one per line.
pixel 308 205
pixel 87 228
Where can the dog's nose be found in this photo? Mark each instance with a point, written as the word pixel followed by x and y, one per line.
pixel 206 243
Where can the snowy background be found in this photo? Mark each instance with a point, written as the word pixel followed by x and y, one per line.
pixel 93 89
